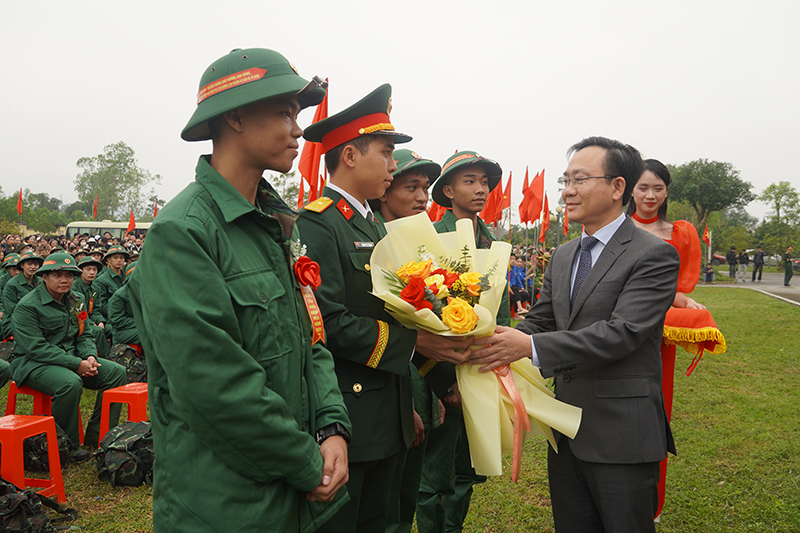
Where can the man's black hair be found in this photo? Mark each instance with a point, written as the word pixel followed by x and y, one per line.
pixel 621 160
pixel 333 155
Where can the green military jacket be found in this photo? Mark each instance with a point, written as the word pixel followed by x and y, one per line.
pixel 105 285
pixel 120 316
pixel 90 297
pixel 236 390
pixel 15 289
pixel 484 240
pixel 47 332
pixel 5 276
pixel 370 349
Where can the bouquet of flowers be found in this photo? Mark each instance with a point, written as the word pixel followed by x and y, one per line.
pixel 443 284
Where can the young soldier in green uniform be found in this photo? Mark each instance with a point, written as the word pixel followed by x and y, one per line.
pixel 120 315
pixel 56 355
pixel 10 270
pixel 407 196
pixel 371 351
pixel 17 287
pixel 83 285
pixel 448 476
pixel 787 267
pixel 249 428
pixel 111 278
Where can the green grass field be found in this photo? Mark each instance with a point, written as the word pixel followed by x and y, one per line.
pixel 735 423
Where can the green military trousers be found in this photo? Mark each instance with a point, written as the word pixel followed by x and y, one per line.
pixel 787 275
pixel 447 477
pixel 66 387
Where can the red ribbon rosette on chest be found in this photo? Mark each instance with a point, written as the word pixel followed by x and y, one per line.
pixel 82 317
pixel 307 273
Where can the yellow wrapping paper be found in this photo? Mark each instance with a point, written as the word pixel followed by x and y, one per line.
pixel 488 410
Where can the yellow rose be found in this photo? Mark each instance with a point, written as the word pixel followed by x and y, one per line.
pixel 471 281
pixel 459 316
pixel 415 269
pixel 436 284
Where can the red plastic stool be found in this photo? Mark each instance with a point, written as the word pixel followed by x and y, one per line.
pixel 133 394
pixel 42 403
pixel 14 429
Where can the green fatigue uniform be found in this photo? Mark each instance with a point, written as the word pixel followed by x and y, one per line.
pixel 48 350
pixel 448 476
pixel 105 285
pixel 5 373
pixel 95 317
pixel 120 316
pixel 371 352
pixel 16 288
pixel 237 392
pixel 9 261
pixel 787 267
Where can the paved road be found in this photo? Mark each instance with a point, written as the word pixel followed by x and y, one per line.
pixel 771 284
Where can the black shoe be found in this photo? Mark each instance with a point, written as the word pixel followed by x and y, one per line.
pixel 79 455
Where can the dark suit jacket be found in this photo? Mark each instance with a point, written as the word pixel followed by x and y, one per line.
pixel 605 354
pixel 370 350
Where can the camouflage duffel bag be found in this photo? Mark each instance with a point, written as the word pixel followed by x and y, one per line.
pixel 35 451
pixel 21 510
pixel 133 361
pixel 125 455
pixel 6 349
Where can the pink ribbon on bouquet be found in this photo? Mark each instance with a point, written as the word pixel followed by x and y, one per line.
pixel 521 420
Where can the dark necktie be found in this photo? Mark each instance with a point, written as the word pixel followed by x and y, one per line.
pixel 584 267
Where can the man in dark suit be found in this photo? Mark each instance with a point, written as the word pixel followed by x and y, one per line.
pixel 597 330
pixel 371 351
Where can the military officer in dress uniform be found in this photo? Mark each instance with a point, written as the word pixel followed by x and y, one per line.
pixel 19 286
pixel 371 351
pixel 448 477
pixel 55 354
pixel 249 427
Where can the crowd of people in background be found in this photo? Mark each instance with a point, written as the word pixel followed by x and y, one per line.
pixel 44 245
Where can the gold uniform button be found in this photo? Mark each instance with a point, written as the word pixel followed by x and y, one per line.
pixel 357 387
pixel 366 267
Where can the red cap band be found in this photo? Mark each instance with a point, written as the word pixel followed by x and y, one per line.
pixel 351 130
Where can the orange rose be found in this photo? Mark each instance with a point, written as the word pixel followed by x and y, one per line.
pixel 415 269
pixel 459 316
pixel 471 281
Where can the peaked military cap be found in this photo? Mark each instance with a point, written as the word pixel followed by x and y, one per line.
pixel 89 260
pixel 11 260
pixel 407 161
pixel 368 115
pixel 59 261
pixel 31 255
pixel 458 161
pixel 243 77
pixel 116 249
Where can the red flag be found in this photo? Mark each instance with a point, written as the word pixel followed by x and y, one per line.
pixel 436 212
pixel 523 205
pixel 566 222
pixel 310 157
pixel 545 219
pixel 505 200
pixel 489 213
pixel 19 203
pixel 536 197
pixel 705 236
pixel 131 224
pixel 155 210
pixel 300 195
pixel 94 209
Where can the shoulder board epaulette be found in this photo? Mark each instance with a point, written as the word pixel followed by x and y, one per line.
pixel 319 205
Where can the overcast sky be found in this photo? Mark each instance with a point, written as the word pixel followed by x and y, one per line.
pixel 517 81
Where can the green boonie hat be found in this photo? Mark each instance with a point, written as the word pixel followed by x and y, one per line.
pixel 12 258
pixel 407 161
pixel 114 250
pixel 60 261
pixel 243 77
pixel 55 250
pixel 368 115
pixel 22 245
pixel 458 161
pixel 89 260
pixel 30 255
pixel 131 268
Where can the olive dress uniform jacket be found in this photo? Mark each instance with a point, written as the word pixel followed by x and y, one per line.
pixel 47 333
pixel 370 349
pixel 236 389
pixel 16 288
